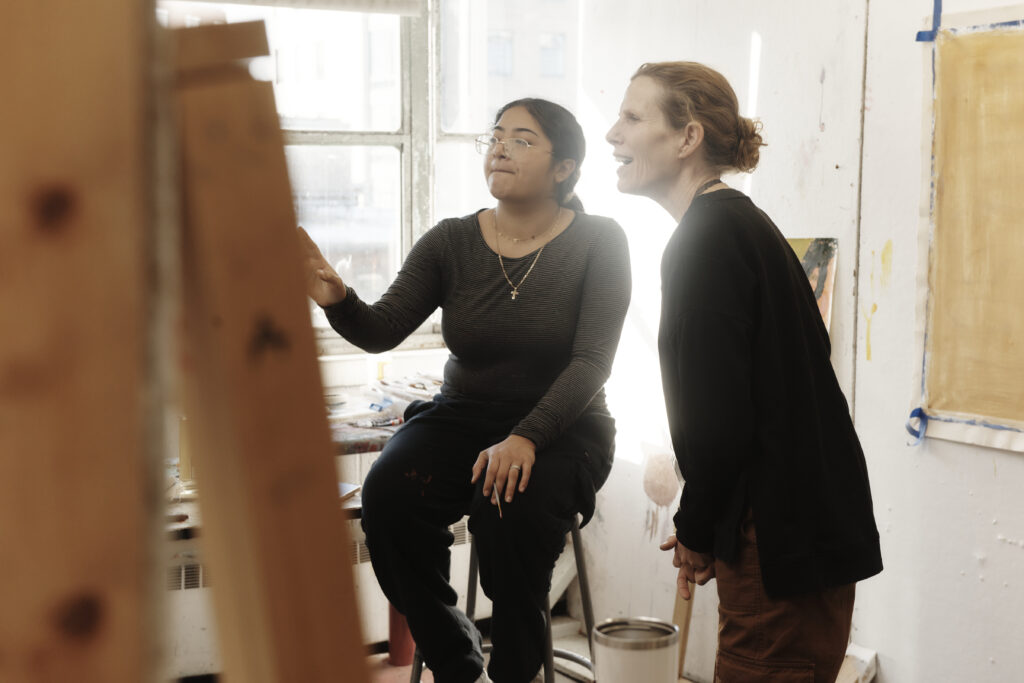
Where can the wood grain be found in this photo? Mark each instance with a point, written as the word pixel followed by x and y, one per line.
pixel 681 614
pixel 74 230
pixel 274 532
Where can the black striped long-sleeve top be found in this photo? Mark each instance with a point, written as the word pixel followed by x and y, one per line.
pixel 551 347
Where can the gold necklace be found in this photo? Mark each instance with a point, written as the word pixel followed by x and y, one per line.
pixel 501 262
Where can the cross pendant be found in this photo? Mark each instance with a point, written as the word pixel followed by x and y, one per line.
pixel 515 293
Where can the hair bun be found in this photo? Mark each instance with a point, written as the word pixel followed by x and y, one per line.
pixel 749 144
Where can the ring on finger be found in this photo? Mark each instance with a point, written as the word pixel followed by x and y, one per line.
pixel 515 467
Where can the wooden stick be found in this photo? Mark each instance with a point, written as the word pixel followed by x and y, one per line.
pixel 681 614
pixel 76 451
pixel 274 532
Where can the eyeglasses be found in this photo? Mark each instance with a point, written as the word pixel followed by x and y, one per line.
pixel 485 144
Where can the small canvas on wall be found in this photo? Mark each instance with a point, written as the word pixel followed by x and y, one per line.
pixel 818 257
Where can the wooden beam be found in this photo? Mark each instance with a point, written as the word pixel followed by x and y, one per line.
pixel 74 300
pixel 681 614
pixel 205 47
pixel 273 530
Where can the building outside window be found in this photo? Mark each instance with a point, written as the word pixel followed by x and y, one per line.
pixel 552 55
pixel 499 53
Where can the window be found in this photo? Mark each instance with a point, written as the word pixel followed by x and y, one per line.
pixel 552 55
pixel 492 53
pixel 375 104
pixel 499 54
pixel 345 92
pixel 475 38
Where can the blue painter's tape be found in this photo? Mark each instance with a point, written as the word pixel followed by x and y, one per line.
pixel 929 36
pixel 922 422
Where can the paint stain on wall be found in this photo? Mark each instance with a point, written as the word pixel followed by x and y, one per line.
pixel 821 104
pixel 885 260
pixel 886 264
pixel 1010 541
pixel 867 332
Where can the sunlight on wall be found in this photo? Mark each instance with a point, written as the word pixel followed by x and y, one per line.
pixel 752 85
pixel 634 390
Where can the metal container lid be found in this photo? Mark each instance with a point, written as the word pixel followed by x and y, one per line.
pixel 636 633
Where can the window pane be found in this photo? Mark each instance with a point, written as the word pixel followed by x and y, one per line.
pixel 461 188
pixel 331 70
pixel 349 200
pixel 493 52
pixel 499 54
pixel 552 55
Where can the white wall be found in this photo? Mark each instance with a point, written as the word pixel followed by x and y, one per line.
pixel 945 608
pixel 948 607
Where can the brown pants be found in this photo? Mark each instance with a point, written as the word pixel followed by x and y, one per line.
pixel 801 639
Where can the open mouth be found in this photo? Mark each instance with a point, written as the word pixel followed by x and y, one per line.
pixel 625 161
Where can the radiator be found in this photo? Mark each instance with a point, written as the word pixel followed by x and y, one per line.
pixel 373 606
pixel 190 638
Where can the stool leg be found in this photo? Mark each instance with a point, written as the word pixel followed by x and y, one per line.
pixel 471 588
pixel 549 649
pixel 417 667
pixel 581 574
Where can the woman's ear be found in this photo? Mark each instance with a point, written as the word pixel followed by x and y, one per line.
pixel 564 169
pixel 690 138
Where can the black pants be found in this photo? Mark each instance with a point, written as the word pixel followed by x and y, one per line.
pixel 421 484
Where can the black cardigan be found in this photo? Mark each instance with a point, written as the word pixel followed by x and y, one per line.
pixel 756 413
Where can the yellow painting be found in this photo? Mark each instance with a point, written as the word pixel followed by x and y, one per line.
pixel 974 350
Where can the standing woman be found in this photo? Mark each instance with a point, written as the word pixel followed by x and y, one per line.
pixel 533 295
pixel 776 503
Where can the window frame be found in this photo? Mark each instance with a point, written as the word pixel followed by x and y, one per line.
pixel 414 141
pixel 440 134
pixel 419 34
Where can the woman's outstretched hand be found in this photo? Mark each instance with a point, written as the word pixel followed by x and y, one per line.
pixel 507 465
pixel 323 284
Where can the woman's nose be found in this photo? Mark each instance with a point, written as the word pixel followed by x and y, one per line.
pixel 612 136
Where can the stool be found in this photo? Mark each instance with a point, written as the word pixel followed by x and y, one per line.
pixel 552 652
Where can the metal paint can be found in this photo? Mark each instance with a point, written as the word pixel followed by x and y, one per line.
pixel 633 649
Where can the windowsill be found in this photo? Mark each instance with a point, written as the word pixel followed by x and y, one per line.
pixel 358 368
pixel 330 345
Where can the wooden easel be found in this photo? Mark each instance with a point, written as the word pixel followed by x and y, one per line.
pixel 277 542
pixel 80 504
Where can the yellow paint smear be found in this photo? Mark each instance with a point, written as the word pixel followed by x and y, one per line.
pixel 867 330
pixel 886 263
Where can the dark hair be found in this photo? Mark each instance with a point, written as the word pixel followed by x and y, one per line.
pixel 694 92
pixel 567 141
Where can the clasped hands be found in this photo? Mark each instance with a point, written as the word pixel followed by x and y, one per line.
pixel 694 567
pixel 506 467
